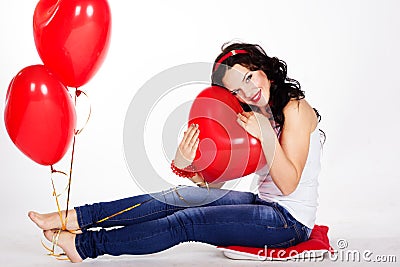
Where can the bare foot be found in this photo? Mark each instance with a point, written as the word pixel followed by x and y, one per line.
pixel 52 220
pixel 66 241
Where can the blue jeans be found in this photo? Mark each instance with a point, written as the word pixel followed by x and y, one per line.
pixel 225 218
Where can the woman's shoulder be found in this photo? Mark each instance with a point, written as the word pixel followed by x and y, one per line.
pixel 297 106
pixel 300 111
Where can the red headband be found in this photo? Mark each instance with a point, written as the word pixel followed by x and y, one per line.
pixel 229 54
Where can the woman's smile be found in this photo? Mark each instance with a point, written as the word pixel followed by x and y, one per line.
pixel 256 97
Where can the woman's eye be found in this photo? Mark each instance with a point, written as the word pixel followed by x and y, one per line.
pixel 235 92
pixel 248 78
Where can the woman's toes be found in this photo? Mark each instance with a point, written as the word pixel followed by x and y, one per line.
pixel 37 219
pixel 45 221
pixel 32 215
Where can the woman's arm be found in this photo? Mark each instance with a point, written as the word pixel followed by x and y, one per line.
pixel 186 153
pixel 286 157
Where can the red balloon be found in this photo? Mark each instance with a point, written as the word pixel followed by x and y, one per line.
pixel 72 37
pixel 39 115
pixel 226 151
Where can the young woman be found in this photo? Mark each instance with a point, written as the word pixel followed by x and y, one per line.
pixel 283 212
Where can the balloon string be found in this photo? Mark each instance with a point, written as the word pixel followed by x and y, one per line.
pixel 175 189
pixel 70 179
pixel 71 165
pixel 77 94
pixel 68 188
pixel 131 207
pixel 122 211
pixel 54 242
pixel 58 256
pixel 56 196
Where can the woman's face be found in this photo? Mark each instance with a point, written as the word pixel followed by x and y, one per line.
pixel 250 87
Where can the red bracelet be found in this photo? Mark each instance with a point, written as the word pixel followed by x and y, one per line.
pixel 187 172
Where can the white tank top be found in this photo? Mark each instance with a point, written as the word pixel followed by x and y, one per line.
pixel 302 203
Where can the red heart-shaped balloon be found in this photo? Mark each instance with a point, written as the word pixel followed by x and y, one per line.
pixel 226 151
pixel 39 115
pixel 72 37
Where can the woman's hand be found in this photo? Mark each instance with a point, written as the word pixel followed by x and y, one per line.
pixel 186 151
pixel 253 123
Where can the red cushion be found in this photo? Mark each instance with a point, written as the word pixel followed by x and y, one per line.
pixel 316 246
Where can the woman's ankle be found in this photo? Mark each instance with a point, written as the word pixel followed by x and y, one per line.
pixel 70 219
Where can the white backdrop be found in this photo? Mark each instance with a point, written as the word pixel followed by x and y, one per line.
pixel 344 53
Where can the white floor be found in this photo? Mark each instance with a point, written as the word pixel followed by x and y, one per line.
pixel 23 248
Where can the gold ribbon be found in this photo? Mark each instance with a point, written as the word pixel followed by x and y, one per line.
pixel 58 256
pixel 56 196
pixel 175 189
pixel 68 187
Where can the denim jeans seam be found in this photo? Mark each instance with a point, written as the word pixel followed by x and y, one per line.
pixel 252 223
pixel 172 228
pixel 290 242
pixel 298 233
pixel 134 240
pixel 280 227
pixel 124 220
pixel 80 218
pixel 79 249
pixel 283 219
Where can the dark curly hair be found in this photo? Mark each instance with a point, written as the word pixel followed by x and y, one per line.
pixel 283 88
